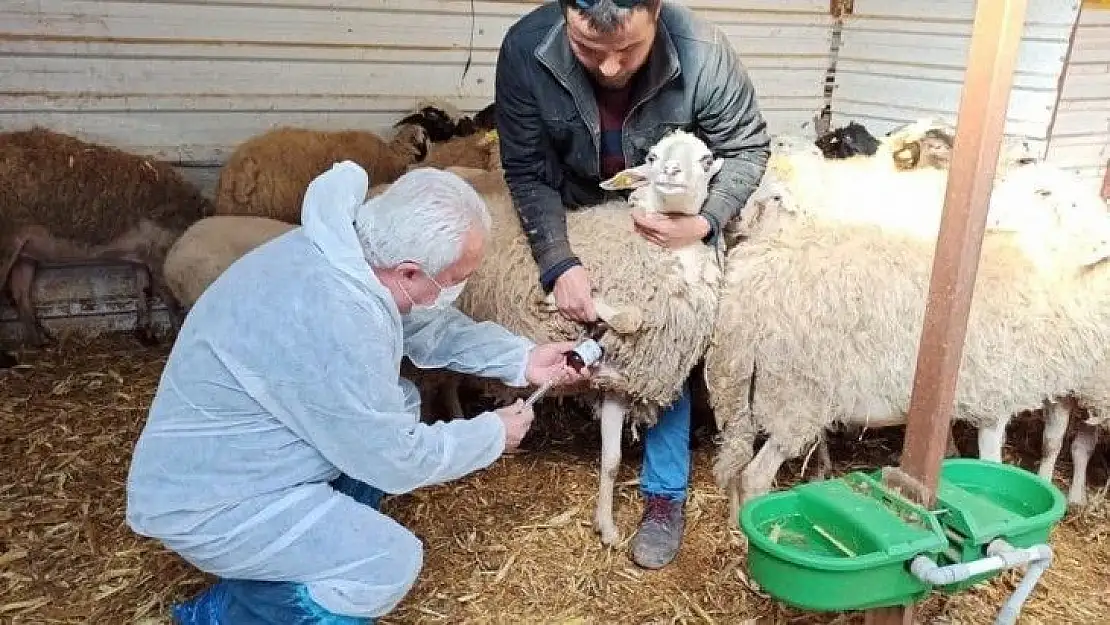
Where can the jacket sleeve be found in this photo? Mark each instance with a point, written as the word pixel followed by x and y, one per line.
pixel 539 205
pixel 729 116
pixel 346 401
pixel 448 339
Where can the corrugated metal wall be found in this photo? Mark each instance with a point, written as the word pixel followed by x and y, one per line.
pixel 1080 137
pixel 903 59
pixel 189 80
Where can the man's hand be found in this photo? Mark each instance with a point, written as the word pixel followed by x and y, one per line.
pixel 671 231
pixel 517 419
pixel 548 361
pixel 573 297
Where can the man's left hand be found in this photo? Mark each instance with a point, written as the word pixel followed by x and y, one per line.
pixel 671 231
pixel 548 361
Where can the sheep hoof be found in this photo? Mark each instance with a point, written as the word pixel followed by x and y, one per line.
pixel 626 320
pixel 608 532
pixel 145 337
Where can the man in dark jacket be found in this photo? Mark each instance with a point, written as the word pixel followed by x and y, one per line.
pixel 584 88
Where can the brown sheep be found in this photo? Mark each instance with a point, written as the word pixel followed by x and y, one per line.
pixel 65 200
pixel 478 151
pixel 267 174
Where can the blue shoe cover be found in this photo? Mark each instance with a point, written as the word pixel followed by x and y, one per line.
pixel 248 602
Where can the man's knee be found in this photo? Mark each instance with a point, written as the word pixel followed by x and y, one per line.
pixel 373 598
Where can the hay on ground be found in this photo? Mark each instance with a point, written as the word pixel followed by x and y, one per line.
pixel 508 545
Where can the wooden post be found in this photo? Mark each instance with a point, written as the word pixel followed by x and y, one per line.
pixel 995 37
pixel 1106 182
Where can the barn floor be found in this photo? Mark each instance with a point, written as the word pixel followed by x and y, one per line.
pixel 509 545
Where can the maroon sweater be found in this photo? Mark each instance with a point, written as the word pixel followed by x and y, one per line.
pixel 612 106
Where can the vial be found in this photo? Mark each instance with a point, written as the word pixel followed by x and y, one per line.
pixel 585 354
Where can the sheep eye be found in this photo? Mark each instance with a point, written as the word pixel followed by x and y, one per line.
pixel 651 158
pixel 707 161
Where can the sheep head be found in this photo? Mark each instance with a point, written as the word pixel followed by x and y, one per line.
pixel 412 139
pixel 674 178
pixel 434 120
pixel 847 141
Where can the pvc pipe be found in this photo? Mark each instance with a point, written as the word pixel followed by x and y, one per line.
pixel 1010 610
pixel 1001 555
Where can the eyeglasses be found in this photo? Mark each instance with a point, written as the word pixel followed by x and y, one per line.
pixel 624 4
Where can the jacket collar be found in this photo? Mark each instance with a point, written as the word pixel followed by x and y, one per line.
pixel 554 52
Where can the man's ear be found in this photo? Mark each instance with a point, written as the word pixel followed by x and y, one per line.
pixel 407 270
pixel 631 178
pixel 718 163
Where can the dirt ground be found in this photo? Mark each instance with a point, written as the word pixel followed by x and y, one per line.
pixel 511 544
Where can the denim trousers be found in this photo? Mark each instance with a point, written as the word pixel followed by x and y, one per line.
pixel 666 466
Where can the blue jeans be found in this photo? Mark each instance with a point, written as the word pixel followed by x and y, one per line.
pixel 253 602
pixel 666 467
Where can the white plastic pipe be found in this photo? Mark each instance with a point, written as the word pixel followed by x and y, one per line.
pixel 1000 555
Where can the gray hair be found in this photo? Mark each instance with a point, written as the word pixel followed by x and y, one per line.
pixel 422 217
pixel 605 16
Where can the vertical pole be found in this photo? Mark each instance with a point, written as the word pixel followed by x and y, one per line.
pixel 995 38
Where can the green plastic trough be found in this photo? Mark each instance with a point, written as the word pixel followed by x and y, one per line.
pixel 846 544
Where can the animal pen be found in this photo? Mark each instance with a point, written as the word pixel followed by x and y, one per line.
pixel 188 81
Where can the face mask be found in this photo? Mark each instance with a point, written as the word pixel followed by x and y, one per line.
pixel 444 299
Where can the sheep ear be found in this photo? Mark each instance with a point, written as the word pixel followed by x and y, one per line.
pixel 631 178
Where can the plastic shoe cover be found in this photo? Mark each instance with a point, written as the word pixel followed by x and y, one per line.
pixel 248 602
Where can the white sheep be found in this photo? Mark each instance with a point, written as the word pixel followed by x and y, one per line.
pixel 670 295
pixel 209 247
pixel 820 321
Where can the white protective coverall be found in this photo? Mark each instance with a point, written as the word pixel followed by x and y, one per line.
pixel 286 373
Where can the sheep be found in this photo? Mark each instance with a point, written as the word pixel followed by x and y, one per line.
pixel 443 121
pixel 267 175
pixel 847 141
pixel 479 151
pixel 209 247
pixel 660 322
pixel 820 321
pixel 66 200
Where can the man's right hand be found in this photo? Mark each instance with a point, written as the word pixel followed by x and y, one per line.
pixel 517 420
pixel 573 296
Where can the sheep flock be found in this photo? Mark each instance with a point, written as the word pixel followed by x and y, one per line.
pixel 807 320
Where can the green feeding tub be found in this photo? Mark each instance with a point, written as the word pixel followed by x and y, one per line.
pixel 839 545
pixel 980 500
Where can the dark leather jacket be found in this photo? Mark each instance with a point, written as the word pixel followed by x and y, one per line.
pixel 549 127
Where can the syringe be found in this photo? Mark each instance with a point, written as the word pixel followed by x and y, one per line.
pixel 585 354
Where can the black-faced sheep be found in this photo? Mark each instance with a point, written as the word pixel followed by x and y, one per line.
pixel 64 200
pixel 267 175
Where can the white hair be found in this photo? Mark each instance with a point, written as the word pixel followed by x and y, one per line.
pixel 422 217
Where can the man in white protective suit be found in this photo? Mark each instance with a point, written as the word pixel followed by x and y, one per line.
pixel 281 416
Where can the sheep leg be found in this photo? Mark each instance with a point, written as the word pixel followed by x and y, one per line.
pixel 20 281
pixel 1086 437
pixel 173 307
pixel 613 411
pixel 991 439
pixel 449 391
pixel 1055 426
pixel 144 332
pixel 624 320
pixel 824 460
pixel 760 474
pixel 952 450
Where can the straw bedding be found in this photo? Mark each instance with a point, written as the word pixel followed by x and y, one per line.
pixel 512 544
